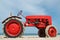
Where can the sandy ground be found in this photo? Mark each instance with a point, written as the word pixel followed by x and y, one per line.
pixel 30 38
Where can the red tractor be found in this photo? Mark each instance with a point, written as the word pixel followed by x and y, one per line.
pixel 13 27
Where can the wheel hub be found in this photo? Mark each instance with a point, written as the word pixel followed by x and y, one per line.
pixel 52 31
pixel 13 28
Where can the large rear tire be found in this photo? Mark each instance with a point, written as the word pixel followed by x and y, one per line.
pixel 41 32
pixel 13 28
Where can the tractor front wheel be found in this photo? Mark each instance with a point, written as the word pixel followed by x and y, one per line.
pixel 51 31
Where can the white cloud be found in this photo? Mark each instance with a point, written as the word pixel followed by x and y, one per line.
pixel 22 4
pixel 30 7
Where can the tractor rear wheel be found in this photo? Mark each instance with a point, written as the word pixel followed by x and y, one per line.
pixel 41 32
pixel 13 28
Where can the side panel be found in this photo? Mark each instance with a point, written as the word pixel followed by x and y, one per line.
pixel 42 21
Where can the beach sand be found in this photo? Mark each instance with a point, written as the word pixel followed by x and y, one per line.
pixel 2 37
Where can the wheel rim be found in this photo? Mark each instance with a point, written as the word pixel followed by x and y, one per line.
pixel 52 31
pixel 13 28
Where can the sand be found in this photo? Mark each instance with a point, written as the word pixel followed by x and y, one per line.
pixel 2 37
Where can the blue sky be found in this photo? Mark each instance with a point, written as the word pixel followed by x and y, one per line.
pixel 31 7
